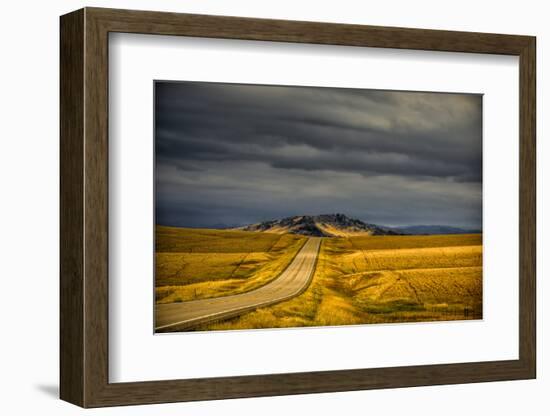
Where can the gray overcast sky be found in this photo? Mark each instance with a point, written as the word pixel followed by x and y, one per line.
pixel 234 154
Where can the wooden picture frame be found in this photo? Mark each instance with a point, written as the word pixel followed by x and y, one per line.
pixel 84 207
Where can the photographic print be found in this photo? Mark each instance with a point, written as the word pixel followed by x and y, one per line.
pixel 290 206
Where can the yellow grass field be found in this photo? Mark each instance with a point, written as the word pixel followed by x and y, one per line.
pixel 382 279
pixel 203 263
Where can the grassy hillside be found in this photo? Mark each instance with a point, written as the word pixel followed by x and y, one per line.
pixel 324 225
pixel 393 242
pixel 382 279
pixel 203 263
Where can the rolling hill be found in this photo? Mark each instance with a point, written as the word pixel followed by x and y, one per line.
pixel 326 225
pixel 434 230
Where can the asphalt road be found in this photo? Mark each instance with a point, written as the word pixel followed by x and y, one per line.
pixel 292 282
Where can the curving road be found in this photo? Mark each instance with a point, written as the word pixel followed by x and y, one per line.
pixel 292 282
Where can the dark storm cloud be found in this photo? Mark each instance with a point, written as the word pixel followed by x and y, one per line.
pixel 322 129
pixel 211 138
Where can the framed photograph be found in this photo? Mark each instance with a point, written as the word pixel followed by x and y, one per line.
pixel 261 188
pixel 255 207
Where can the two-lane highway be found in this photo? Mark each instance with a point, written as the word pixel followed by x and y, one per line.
pixel 292 282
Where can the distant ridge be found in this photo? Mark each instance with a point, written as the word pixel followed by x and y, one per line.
pixel 326 225
pixel 434 229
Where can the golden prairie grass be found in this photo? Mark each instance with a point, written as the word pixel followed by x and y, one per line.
pixel 411 258
pixel 382 279
pixel 203 263
pixel 203 240
pixel 392 242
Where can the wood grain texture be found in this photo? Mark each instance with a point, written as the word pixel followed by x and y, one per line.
pixel 71 100
pixel 162 23
pixel 527 208
pixel 84 207
pixel 96 218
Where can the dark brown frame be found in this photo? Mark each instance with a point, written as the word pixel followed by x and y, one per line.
pixel 84 208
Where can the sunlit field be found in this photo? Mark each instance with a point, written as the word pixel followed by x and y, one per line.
pixel 204 263
pixel 381 279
